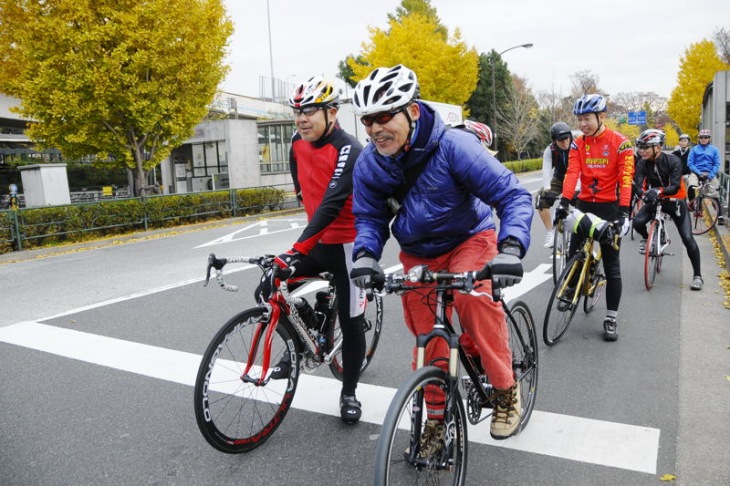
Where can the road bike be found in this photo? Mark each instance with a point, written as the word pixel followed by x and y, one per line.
pixel 237 404
pixel 466 398
pixel 655 247
pixel 704 209
pixel 582 277
pixel 636 204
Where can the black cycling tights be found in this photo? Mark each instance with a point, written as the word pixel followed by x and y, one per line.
pixel 610 256
pixel 681 221
pixel 334 258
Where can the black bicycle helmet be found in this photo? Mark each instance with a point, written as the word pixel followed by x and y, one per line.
pixel 559 129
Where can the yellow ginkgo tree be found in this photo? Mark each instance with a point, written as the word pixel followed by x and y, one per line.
pixel 447 68
pixel 117 78
pixel 697 68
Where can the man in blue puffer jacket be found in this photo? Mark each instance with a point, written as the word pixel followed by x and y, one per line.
pixel 704 163
pixel 443 218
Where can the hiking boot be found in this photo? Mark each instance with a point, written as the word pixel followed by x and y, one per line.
pixel 642 247
pixel 697 283
pixel 506 413
pixel 610 329
pixel 549 239
pixel 350 409
pixel 432 438
pixel 282 369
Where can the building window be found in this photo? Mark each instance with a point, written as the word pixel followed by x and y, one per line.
pixel 274 145
pixel 210 158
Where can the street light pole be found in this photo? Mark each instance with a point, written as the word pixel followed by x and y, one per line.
pixel 494 89
pixel 271 52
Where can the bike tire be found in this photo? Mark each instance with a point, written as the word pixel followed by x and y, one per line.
pixel 635 208
pixel 703 212
pixel 561 308
pixel 373 326
pixel 392 464
pixel 234 415
pixel 650 256
pixel 596 290
pixel 561 246
pixel 523 343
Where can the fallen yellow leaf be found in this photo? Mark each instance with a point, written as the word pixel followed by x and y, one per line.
pixel 668 477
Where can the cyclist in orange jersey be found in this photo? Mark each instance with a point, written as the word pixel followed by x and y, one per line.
pixel 603 161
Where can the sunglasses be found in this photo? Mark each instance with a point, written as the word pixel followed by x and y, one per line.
pixel 563 138
pixel 306 111
pixel 643 146
pixel 379 118
pixel 704 136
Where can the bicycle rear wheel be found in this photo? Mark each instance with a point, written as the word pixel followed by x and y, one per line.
pixel 397 459
pixel 561 246
pixel 651 253
pixel 373 325
pixel 596 289
pixel 563 301
pixel 523 343
pixel 234 413
pixel 703 212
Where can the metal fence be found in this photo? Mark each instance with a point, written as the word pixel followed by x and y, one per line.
pixel 27 228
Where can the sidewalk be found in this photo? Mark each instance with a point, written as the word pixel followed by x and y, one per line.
pixel 703 455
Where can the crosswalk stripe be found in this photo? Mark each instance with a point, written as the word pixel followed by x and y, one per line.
pixel 592 441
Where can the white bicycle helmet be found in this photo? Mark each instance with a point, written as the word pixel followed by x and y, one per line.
pixel 315 92
pixel 385 89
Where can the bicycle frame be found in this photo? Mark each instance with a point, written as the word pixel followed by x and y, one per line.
pixel 584 283
pixel 279 304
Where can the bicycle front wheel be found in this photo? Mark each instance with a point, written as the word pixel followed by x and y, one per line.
pixel 703 212
pixel 523 343
pixel 596 288
pixel 563 301
pixel 234 412
pixel 651 255
pixel 398 456
pixel 372 325
pixel 561 245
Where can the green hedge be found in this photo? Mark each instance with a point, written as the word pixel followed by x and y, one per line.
pixel 526 165
pixel 49 226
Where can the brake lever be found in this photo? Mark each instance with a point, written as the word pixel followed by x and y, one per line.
pixel 213 262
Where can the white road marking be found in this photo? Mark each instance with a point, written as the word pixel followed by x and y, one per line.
pixel 263 231
pixel 609 444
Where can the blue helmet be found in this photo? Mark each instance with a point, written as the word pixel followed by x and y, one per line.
pixel 590 103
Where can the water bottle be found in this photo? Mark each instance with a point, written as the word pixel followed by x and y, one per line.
pixel 322 308
pixel 306 312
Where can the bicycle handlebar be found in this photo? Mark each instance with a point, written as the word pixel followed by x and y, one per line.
pixel 461 281
pixel 264 262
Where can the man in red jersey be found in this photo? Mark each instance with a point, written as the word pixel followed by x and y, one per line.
pixel 603 161
pixel 322 159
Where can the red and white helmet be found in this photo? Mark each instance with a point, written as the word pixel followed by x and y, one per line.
pixel 482 131
pixel 705 133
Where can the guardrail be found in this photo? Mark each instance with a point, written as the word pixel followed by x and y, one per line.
pixel 25 228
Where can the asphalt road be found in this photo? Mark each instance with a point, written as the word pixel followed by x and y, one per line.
pixel 99 348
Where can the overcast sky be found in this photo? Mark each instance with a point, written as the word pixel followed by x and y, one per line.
pixel 631 45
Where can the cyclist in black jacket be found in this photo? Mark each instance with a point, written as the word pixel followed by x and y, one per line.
pixel 321 159
pixel 663 176
pixel 683 153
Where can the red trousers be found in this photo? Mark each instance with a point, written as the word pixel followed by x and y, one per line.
pixel 480 317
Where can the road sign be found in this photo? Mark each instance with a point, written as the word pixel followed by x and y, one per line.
pixel 637 118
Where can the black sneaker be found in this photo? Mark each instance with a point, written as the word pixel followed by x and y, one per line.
pixel 721 221
pixel 610 330
pixel 350 409
pixel 282 369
